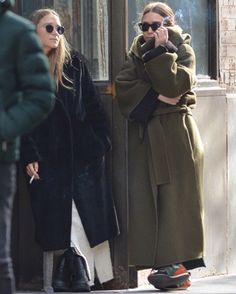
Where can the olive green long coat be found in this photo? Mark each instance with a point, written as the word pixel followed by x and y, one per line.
pixel 165 157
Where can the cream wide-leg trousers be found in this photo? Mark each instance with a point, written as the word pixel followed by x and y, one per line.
pixel 98 258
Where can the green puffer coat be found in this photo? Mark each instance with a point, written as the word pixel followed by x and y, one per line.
pixel 165 158
pixel 26 88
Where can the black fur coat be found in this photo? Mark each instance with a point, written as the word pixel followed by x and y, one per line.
pixel 70 146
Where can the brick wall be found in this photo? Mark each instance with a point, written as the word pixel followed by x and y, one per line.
pixel 227 44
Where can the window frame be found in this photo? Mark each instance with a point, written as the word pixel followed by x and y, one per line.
pixel 211 63
pixel 213 37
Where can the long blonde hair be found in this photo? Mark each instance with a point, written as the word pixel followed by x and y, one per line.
pixel 58 56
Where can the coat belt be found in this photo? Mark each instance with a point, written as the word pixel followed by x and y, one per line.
pixel 158 146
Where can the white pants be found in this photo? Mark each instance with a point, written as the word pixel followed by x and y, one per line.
pixel 97 258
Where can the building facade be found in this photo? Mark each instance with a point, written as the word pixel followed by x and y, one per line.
pixel 227 43
pixel 227 80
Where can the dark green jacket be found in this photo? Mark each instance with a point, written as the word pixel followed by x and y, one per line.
pixel 26 89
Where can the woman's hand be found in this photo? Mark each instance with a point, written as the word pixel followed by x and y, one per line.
pixel 161 36
pixel 172 101
pixel 32 170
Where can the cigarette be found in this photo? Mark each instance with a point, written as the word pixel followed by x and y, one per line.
pixel 164 20
pixel 31 179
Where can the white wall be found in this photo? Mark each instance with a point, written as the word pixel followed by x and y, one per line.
pixel 211 117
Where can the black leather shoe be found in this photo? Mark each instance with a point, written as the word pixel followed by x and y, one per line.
pixel 61 277
pixel 79 274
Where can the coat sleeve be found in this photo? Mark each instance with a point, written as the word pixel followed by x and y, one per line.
pixel 137 98
pixel 35 96
pixel 29 150
pixel 173 74
pixel 95 112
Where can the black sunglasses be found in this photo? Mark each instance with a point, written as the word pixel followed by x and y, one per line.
pixel 144 26
pixel 49 29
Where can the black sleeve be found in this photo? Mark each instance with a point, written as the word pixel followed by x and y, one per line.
pixel 144 110
pixel 154 53
pixel 29 150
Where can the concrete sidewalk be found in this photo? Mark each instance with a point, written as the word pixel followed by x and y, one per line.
pixel 216 285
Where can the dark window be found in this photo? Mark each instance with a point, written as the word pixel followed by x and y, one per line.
pixel 86 24
pixel 196 18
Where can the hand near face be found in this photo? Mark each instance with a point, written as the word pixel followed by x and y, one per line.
pixel 161 36
pixel 160 33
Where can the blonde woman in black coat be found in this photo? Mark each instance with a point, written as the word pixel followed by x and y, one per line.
pixel 64 161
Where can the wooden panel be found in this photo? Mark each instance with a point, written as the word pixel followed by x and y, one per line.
pixel 119 153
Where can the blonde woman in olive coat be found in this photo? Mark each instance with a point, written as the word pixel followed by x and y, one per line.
pixel 155 93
